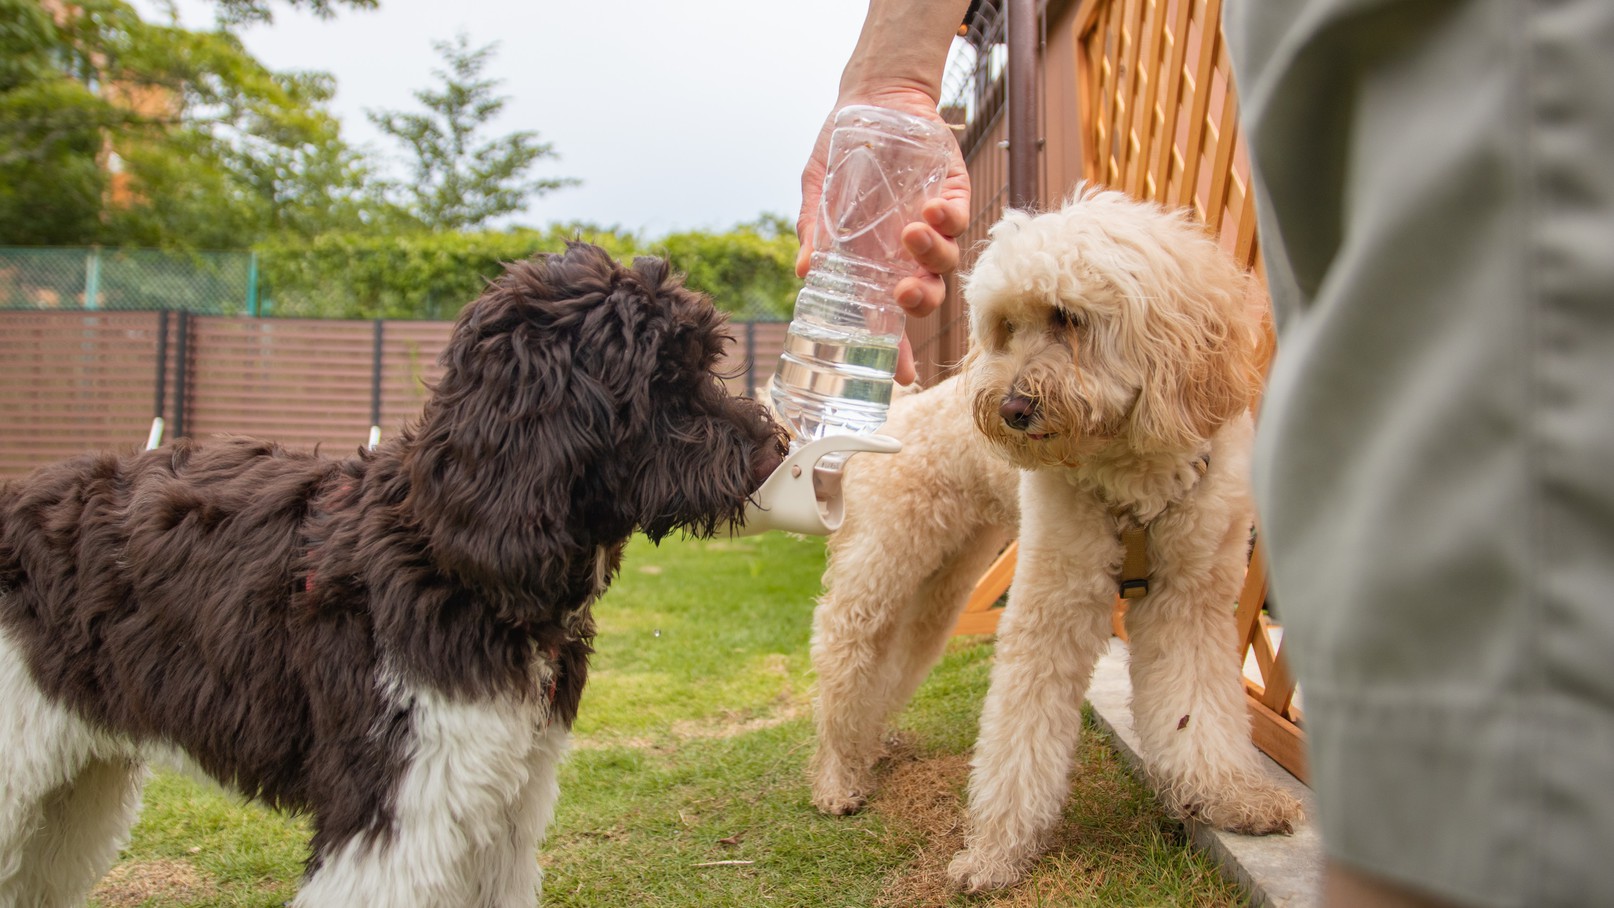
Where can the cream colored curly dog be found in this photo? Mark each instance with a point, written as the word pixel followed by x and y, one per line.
pixel 1116 352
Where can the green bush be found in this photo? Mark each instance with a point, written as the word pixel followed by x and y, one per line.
pixel 749 271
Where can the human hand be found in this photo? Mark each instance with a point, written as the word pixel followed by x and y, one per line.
pixel 932 241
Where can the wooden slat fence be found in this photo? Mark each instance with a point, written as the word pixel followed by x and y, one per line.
pixel 408 366
pixel 72 382
pixel 753 357
pixel 975 93
pixel 304 383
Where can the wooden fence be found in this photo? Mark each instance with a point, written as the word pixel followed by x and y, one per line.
pixel 1138 95
pixel 80 381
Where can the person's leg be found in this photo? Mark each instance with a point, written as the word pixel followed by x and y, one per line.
pixel 1437 210
pixel 1345 887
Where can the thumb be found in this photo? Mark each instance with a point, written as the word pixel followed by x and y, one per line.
pixel 906 373
pixel 812 184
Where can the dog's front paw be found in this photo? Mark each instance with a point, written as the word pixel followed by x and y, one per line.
pixel 1259 808
pixel 843 803
pixel 838 790
pixel 973 870
pixel 841 794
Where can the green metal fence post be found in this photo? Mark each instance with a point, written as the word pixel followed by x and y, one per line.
pixel 252 284
pixel 92 279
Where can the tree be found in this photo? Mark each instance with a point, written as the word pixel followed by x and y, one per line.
pixel 253 154
pixel 117 130
pixel 241 12
pixel 51 128
pixel 460 180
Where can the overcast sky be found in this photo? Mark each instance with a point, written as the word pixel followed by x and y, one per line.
pixel 675 115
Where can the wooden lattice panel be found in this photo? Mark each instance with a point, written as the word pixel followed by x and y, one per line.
pixel 1161 115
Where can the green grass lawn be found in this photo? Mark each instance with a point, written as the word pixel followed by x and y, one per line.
pixel 687 781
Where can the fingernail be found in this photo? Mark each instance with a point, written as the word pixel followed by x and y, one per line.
pixel 920 243
pixel 910 298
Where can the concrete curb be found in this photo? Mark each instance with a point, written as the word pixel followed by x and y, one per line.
pixel 1277 871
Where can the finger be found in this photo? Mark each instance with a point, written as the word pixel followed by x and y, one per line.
pixel 804 235
pixel 906 373
pixel 921 294
pixel 933 251
pixel 949 217
pixel 812 189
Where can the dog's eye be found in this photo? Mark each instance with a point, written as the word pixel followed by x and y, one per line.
pixel 1065 319
pixel 1003 334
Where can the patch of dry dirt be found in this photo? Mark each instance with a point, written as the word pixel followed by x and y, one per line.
pixel 133 882
pixel 924 795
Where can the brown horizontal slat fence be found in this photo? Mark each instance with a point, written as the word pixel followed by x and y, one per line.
pixel 408 369
pixel 72 382
pixel 940 342
pixel 975 95
pixel 749 363
pixel 301 382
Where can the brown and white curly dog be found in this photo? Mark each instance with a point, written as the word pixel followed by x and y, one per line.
pixel 394 643
pixel 1116 353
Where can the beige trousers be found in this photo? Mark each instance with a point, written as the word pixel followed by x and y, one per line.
pixel 1435 466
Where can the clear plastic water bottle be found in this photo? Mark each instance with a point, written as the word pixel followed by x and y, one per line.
pixel 835 375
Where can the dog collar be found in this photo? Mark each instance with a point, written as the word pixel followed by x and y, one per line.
pixel 1135 568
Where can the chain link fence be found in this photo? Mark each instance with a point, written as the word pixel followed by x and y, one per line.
pixel 232 283
pixel 128 280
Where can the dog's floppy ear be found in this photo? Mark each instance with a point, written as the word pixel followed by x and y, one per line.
pixel 1204 352
pixel 517 426
pixel 691 462
pixel 671 337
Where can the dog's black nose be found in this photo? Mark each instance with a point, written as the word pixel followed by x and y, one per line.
pixel 1017 411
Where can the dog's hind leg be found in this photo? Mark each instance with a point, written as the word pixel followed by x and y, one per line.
pixel 922 640
pixel 855 631
pixel 64 812
pixel 82 826
pixel 921 526
pixel 878 630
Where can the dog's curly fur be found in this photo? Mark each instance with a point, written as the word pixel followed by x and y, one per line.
pixel 1116 353
pixel 394 643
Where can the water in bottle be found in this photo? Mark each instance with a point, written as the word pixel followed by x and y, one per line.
pixel 835 375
